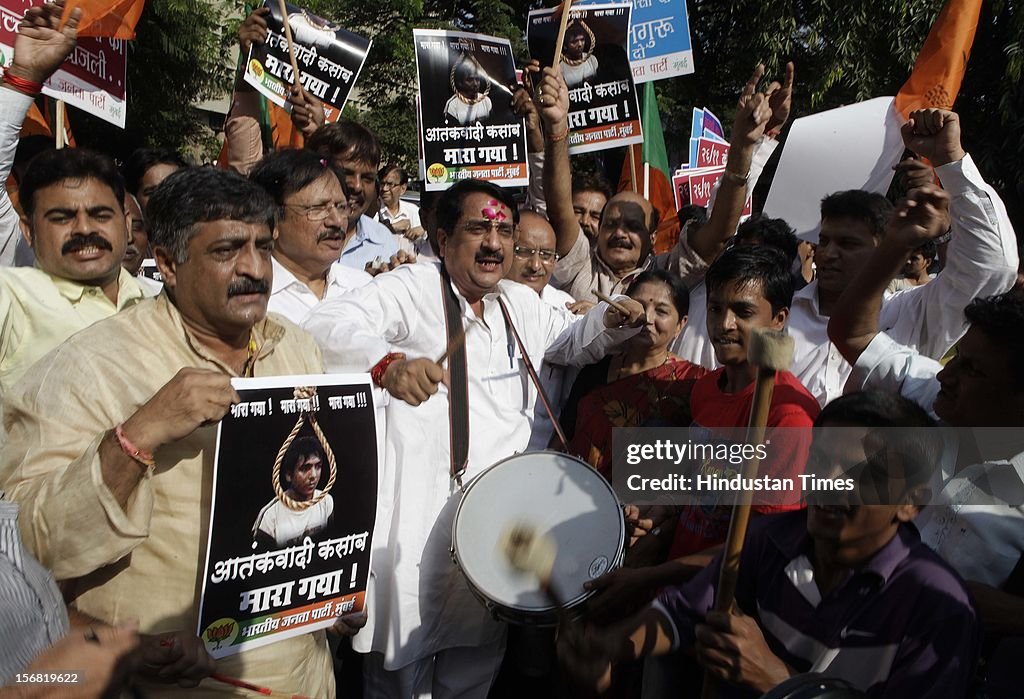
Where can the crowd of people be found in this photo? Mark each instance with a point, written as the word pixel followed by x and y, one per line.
pixel 558 323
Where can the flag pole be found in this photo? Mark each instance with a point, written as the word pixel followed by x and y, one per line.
pixel 647 180
pixel 296 76
pixel 59 126
pixel 632 168
pixel 566 4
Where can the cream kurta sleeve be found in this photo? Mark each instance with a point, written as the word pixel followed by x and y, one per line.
pixel 69 518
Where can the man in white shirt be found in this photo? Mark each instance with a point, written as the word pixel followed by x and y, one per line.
pixel 401 216
pixel 310 232
pixel 138 246
pixel 977 523
pixel 354 150
pixel 981 261
pixel 534 259
pixel 429 636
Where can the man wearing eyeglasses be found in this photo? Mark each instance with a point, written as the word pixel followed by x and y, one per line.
pixel 310 232
pixel 447 421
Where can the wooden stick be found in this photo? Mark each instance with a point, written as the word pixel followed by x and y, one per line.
pixel 611 302
pixel 297 82
pixel 556 59
pixel 632 168
pixel 59 126
pixel 456 342
pixel 770 351
pixel 253 687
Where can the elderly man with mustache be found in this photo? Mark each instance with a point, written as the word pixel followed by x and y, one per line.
pixel 74 218
pixel 111 437
pixel 310 234
pixel 429 636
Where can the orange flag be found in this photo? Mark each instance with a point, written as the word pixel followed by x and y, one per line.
pixel 659 194
pixel 939 69
pixel 111 18
pixel 35 124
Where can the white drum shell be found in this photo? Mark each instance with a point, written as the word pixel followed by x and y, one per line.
pixel 562 497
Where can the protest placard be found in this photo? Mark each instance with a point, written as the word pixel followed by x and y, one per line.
pixel 659 39
pixel 329 59
pixel 466 124
pixel 603 107
pixel 287 553
pixel 93 78
pixel 818 159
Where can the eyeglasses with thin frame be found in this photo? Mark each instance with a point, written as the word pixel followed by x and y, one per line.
pixel 319 212
pixel 479 229
pixel 390 185
pixel 548 257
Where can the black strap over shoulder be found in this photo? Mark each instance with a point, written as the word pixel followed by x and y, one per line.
pixel 458 389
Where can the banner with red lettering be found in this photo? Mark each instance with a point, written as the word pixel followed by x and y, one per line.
pixel 93 78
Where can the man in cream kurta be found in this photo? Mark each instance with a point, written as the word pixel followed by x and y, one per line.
pixel 139 557
pixel 427 633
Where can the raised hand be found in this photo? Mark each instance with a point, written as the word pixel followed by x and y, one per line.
pixel 552 98
pixel 253 29
pixel 307 112
pixel 752 111
pixel 780 99
pixel 522 105
pixel 41 45
pixel 922 216
pixel 934 134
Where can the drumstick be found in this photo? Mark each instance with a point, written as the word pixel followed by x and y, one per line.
pixel 619 308
pixel 529 550
pixel 253 687
pixel 770 351
pixel 455 343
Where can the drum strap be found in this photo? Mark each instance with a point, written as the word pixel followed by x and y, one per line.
pixel 533 375
pixel 458 388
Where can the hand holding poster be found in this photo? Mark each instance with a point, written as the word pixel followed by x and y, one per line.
pixel 328 56
pixel 284 557
pixel 467 126
pixel 603 108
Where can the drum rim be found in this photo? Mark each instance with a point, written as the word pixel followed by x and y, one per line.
pixel 570 603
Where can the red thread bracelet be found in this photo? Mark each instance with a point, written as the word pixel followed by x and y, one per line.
pixel 377 372
pixel 22 85
pixel 143 457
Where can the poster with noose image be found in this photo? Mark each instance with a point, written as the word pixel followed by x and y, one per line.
pixel 293 506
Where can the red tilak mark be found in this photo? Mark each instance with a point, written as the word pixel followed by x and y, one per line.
pixel 493 214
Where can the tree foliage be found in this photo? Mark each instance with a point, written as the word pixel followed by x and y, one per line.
pixel 844 52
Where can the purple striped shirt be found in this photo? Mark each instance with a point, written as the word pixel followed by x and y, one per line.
pixel 901 626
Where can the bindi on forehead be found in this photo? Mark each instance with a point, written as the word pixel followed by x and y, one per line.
pixel 493 211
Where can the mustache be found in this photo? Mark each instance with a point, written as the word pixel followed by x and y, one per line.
pixel 497 257
pixel 620 243
pixel 248 286
pixel 332 232
pixel 80 242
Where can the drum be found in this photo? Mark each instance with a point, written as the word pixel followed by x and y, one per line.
pixel 560 496
pixel 813 686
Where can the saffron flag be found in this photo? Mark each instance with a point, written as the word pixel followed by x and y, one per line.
pixel 110 18
pixel 40 122
pixel 935 80
pixel 652 182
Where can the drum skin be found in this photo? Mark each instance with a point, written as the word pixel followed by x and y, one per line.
pixel 560 496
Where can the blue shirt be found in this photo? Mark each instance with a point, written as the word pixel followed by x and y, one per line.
pixel 901 626
pixel 372 240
